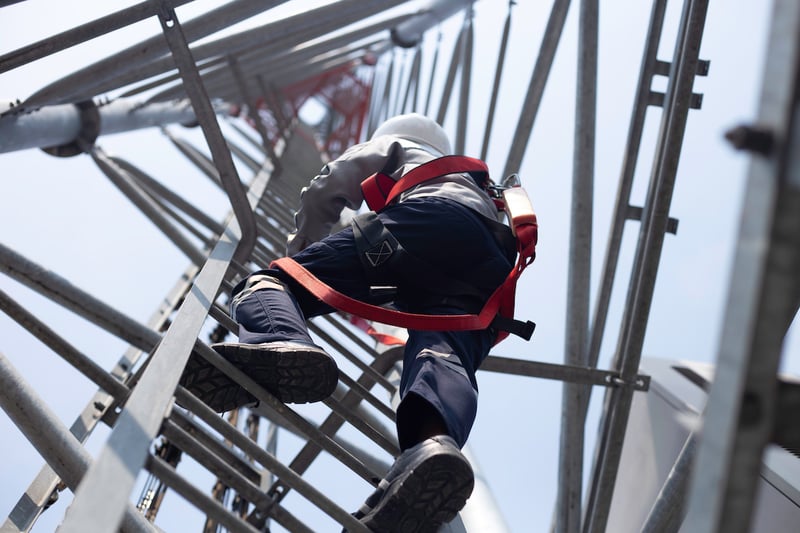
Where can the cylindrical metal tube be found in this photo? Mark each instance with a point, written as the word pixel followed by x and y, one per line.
pixel 669 508
pixel 58 125
pixel 57 445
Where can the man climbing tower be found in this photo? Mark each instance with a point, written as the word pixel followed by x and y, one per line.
pixel 439 243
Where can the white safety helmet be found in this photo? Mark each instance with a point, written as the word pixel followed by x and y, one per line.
pixel 417 128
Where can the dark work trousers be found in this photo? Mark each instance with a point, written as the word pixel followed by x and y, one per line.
pixel 438 366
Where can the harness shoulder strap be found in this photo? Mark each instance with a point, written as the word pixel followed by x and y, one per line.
pixel 375 187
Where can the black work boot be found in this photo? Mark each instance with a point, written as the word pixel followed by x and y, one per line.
pixel 293 372
pixel 425 488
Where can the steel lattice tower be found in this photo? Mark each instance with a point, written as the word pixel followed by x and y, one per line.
pixel 252 101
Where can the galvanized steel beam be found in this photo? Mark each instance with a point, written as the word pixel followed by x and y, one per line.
pixel 139 63
pixel 83 84
pixel 38 494
pixel 567 373
pixel 466 83
pixel 447 88
pixel 82 33
pixel 762 297
pixel 541 71
pixel 669 508
pixel 574 396
pixel 648 253
pixel 287 475
pixel 408 34
pixel 164 471
pixel 126 449
pixel 128 186
pixel 60 290
pixel 206 116
pixel 621 209
pixel 498 73
pixel 57 445
pixel 59 125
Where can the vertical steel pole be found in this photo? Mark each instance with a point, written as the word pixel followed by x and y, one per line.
pixel 648 254
pixel 433 72
pixel 211 130
pixel 574 396
pixel 622 207
pixel 498 74
pixel 466 80
pixel 413 81
pixel 398 101
pixel 541 71
pixel 762 297
pixel 447 90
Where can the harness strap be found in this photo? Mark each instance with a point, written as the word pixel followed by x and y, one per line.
pixel 380 190
pixel 375 244
pixel 376 189
pixel 501 297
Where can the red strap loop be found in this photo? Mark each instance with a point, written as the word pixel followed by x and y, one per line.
pixel 342 302
pixel 501 301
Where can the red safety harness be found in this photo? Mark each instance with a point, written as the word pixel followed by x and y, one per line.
pixel 379 191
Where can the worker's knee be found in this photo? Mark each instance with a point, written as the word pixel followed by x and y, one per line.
pixel 256 282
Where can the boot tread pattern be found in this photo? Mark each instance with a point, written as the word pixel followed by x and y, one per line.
pixel 291 374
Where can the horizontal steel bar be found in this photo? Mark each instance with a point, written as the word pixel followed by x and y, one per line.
pixel 164 471
pixel 84 32
pixel 218 466
pixel 361 425
pixel 309 431
pixel 223 450
pixel 287 475
pixel 37 497
pixel 59 345
pixel 569 373
pixel 383 362
pixel 357 389
pixel 58 289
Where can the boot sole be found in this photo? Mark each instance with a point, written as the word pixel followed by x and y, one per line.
pixel 293 374
pixel 428 496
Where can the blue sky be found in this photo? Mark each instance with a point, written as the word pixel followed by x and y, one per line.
pixel 63 214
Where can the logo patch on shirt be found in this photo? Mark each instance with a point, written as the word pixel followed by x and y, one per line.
pixel 379 254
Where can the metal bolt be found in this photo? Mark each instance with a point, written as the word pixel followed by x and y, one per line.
pixel 752 409
pixel 752 139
